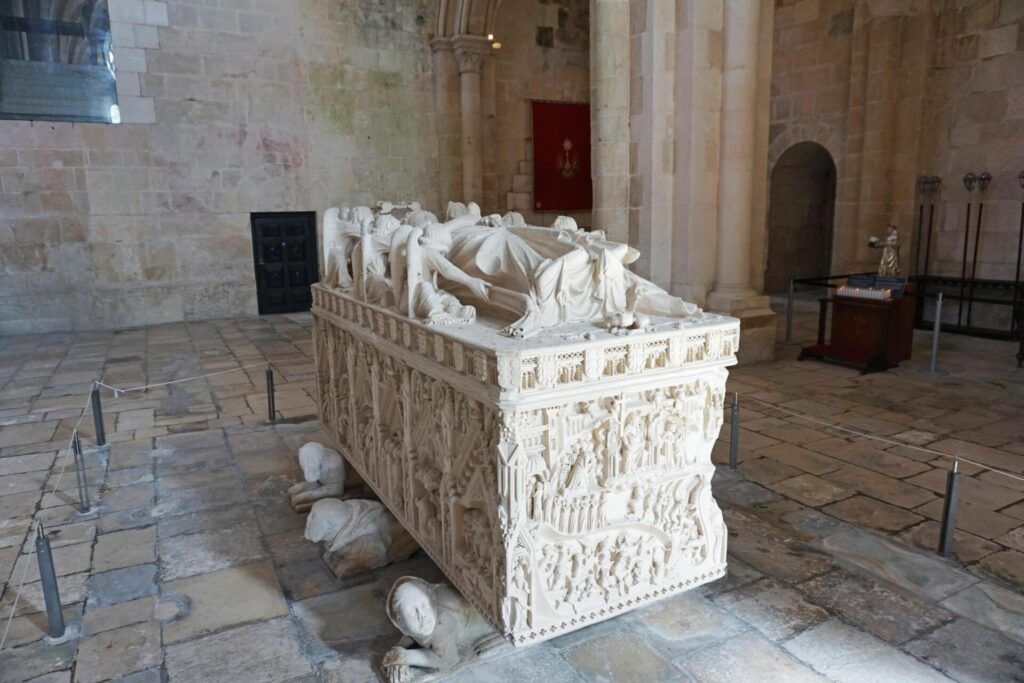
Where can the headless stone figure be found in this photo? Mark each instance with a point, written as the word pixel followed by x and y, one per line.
pixel 357 535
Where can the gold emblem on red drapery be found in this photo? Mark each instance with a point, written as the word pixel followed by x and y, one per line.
pixel 568 161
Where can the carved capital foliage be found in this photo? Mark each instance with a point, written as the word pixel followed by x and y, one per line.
pixel 470 52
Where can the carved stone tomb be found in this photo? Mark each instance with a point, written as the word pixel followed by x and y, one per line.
pixel 557 480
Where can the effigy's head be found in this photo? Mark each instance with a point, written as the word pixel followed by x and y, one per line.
pixel 473 209
pixel 325 518
pixel 513 219
pixel 411 607
pixel 565 223
pixel 454 210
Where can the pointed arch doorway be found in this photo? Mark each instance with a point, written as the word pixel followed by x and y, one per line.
pixel 801 212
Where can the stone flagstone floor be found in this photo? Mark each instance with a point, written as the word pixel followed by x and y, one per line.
pixel 192 565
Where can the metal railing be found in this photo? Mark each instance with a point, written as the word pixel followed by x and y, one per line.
pixel 825 281
pixel 964 293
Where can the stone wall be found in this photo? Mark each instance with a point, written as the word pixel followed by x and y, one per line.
pixel 897 89
pixel 974 121
pixel 544 55
pixel 229 108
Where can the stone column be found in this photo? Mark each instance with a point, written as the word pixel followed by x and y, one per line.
pixel 736 174
pixel 739 170
pixel 447 108
pixel 609 116
pixel 469 53
pixel 877 151
pixel 489 113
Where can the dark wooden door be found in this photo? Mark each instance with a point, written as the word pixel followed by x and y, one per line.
pixel 284 247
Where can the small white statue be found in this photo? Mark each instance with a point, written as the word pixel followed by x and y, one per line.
pixel 324 470
pixel 340 236
pixel 357 535
pixel 889 266
pixel 440 621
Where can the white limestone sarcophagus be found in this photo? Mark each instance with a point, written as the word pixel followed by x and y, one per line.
pixel 558 480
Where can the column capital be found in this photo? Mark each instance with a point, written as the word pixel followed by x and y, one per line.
pixel 440 44
pixel 470 52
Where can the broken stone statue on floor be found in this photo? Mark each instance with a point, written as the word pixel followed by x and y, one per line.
pixel 357 535
pixel 440 629
pixel 324 470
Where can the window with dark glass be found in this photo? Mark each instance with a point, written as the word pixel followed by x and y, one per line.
pixel 55 61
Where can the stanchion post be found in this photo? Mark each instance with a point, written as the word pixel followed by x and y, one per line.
pixel 949 510
pixel 789 314
pixel 935 333
pixel 83 482
pixel 97 417
pixel 734 434
pixel 271 410
pixel 51 592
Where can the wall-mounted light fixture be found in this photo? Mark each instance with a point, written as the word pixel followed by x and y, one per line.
pixel 983 180
pixel 928 184
pixel 969 180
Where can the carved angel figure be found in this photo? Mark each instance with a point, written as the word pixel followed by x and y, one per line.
pixel 357 535
pixel 340 236
pixel 442 625
pixel 324 471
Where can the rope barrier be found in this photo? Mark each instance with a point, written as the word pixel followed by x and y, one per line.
pixel 35 527
pixel 118 390
pixel 60 475
pixel 21 584
pixel 883 439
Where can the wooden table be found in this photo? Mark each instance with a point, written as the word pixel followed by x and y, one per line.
pixel 868 334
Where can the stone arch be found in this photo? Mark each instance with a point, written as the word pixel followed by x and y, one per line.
pixel 801 214
pixel 824 134
pixel 829 136
pixel 465 17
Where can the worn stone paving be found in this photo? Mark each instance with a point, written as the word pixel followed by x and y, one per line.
pixel 973 409
pixel 192 565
